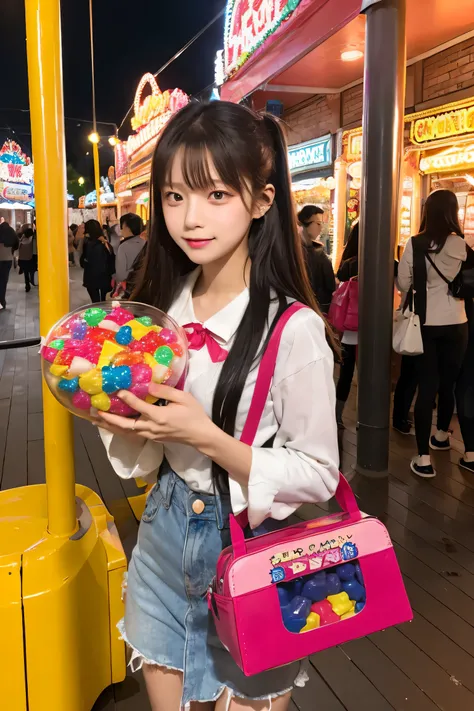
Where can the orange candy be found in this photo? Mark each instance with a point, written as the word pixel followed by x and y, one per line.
pixel 177 349
pixel 59 332
pixel 99 335
pixel 128 358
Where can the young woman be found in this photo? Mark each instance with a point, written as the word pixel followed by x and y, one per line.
pixel 25 256
pixel 224 256
pixel 318 264
pixel 348 268
pixel 8 244
pixel 430 261
pixel 98 261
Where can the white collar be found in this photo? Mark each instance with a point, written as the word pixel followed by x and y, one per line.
pixel 222 324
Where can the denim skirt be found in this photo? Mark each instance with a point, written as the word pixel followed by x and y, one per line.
pixel 167 621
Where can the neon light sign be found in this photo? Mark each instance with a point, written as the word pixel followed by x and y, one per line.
pixel 451 159
pixel 310 155
pixel 248 24
pixel 153 112
pixel 15 166
pixel 445 125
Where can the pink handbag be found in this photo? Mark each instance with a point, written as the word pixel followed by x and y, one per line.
pixel 351 322
pixel 339 304
pixel 285 595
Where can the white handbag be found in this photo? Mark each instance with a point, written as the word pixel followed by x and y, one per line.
pixel 407 338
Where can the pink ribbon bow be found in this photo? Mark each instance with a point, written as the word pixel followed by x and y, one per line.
pixel 198 337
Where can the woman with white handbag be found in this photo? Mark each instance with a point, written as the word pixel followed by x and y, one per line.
pixel 430 263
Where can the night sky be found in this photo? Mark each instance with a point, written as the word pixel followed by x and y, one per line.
pixel 131 37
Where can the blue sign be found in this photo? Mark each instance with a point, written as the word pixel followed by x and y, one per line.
pixel 311 155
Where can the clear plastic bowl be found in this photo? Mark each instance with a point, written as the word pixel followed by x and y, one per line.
pixel 97 350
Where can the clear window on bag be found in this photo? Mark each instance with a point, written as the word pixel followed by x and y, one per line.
pixel 322 598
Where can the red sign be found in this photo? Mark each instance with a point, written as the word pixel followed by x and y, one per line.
pixel 248 24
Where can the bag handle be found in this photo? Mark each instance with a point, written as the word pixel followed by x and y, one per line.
pixel 344 494
pixel 445 279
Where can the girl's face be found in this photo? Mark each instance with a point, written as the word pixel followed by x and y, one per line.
pixel 209 225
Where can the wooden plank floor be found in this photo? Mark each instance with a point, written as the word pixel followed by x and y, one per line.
pixel 422 666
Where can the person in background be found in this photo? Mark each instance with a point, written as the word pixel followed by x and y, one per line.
pixel 115 237
pixel 130 247
pixel 318 264
pixel 465 395
pixel 70 245
pixel 97 260
pixel 431 260
pixel 348 268
pixel 25 254
pixel 8 244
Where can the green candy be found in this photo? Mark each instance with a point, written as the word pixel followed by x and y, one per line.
pixel 164 355
pixel 94 316
pixel 145 321
pixel 57 344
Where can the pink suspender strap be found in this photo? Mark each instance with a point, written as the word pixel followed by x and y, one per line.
pixel 257 405
pixel 265 375
pixel 344 494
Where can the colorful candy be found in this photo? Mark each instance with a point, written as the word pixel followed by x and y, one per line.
pixel 94 353
pixel 322 598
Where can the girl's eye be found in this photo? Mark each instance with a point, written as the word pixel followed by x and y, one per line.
pixel 174 197
pixel 219 195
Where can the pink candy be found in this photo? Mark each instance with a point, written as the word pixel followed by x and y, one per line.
pixel 49 354
pixel 118 407
pixel 140 390
pixel 120 316
pixel 141 373
pixel 81 400
pixel 168 336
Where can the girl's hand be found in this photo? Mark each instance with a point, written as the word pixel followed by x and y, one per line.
pixel 183 420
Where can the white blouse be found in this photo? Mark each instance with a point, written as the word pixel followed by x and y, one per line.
pixel 302 466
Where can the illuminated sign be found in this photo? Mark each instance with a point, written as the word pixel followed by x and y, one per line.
pixel 310 155
pixel 15 166
pixel 443 125
pixel 152 113
pixel 352 145
pixel 450 159
pixel 17 193
pixel 248 24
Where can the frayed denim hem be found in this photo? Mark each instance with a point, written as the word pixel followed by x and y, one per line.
pixel 138 657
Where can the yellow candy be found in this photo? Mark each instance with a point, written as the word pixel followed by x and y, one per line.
pixel 340 603
pixel 91 382
pixel 160 373
pixel 108 351
pixel 101 401
pixel 150 399
pixel 138 329
pixel 347 615
pixel 312 622
pixel 149 360
pixel 58 370
pixel 157 329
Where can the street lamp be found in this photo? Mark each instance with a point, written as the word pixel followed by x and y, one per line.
pixel 81 181
pixel 94 138
pixel 113 140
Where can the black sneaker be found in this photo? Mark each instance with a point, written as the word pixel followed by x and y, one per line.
pixel 404 427
pixel 440 446
pixel 466 465
pixel 425 472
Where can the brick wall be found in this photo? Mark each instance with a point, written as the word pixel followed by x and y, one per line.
pixel 352 100
pixel 449 71
pixel 315 118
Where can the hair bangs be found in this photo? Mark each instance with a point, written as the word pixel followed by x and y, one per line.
pixel 206 159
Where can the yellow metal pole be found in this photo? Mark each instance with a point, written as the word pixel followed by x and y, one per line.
pixel 95 150
pixel 43 30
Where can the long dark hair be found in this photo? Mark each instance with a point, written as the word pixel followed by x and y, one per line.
pixel 351 249
pixel 93 229
pixel 440 219
pixel 248 151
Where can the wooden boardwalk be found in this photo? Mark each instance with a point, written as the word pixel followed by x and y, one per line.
pixel 426 665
